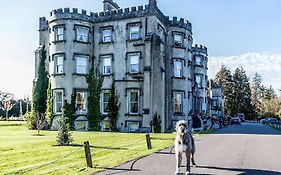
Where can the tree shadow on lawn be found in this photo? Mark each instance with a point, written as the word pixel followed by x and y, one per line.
pixel 98 147
pixel 242 171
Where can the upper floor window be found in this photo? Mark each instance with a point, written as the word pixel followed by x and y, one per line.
pixel 134 31
pixel 81 102
pixel 178 39
pixel 59 63
pixel 178 68
pixel 198 80
pixel 58 101
pixel 133 101
pixel 59 32
pixel 106 34
pixel 107 69
pixel 82 64
pixel 178 102
pixel 134 62
pixel 105 101
pixel 82 33
pixel 198 60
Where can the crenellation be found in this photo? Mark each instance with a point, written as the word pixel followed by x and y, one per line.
pixel 107 13
pixel 59 11
pixel 133 9
pixel 101 14
pixel 75 10
pixel 126 10
pixel 84 12
pixel 66 10
pixel 120 11
pixel 113 12
pixel 140 8
pixel 175 20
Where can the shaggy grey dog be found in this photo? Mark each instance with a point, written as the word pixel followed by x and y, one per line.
pixel 184 143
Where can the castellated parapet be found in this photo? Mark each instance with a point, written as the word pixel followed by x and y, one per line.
pixel 200 49
pixel 133 12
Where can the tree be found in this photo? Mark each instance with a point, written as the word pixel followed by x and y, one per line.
pixel 225 80
pixel 40 122
pixel 41 85
pixel 95 81
pixel 64 136
pixel 6 103
pixel 49 102
pixel 256 88
pixel 114 107
pixel 70 111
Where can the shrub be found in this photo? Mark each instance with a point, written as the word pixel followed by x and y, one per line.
pixel 64 135
pixel 29 117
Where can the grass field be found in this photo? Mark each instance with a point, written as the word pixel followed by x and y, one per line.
pixel 23 152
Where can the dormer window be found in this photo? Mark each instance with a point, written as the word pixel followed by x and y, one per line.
pixel 178 39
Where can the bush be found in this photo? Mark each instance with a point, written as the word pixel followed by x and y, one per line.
pixel 29 117
pixel 64 135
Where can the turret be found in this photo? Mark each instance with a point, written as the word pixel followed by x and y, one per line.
pixel 109 5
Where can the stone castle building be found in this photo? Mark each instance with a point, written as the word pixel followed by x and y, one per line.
pixel 151 58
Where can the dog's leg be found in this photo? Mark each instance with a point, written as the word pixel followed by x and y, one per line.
pixel 192 160
pixel 178 159
pixel 187 153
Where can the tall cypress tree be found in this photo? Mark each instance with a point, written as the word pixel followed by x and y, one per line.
pixel 49 102
pixel 114 107
pixel 256 88
pixel 95 81
pixel 70 111
pixel 41 84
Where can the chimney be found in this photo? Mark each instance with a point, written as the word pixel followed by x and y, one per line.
pixel 109 5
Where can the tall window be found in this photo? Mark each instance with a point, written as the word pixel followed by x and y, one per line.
pixel 133 101
pixel 134 62
pixel 104 102
pixel 134 32
pixel 81 102
pixel 58 101
pixel 82 34
pixel 198 60
pixel 178 97
pixel 59 33
pixel 178 39
pixel 178 68
pixel 107 64
pixel 82 64
pixel 107 34
pixel 59 64
pixel 198 80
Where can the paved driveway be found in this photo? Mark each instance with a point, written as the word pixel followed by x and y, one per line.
pixel 247 149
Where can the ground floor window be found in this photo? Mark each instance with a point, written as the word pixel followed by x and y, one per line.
pixel 133 126
pixel 178 98
pixel 104 102
pixel 58 101
pixel 81 102
pixel 133 101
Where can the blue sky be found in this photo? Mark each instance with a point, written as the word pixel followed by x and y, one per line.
pixel 237 33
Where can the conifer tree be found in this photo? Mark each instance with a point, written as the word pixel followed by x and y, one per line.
pixel 41 85
pixel 95 81
pixel 64 136
pixel 70 111
pixel 114 107
pixel 256 89
pixel 49 102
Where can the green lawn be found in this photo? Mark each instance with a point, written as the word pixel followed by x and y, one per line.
pixel 22 151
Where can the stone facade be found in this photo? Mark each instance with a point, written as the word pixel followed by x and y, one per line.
pixel 150 58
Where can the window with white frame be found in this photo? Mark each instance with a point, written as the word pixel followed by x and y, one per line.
pixel 82 64
pixel 59 33
pixel 198 80
pixel 133 126
pixel 106 34
pixel 59 63
pixel 82 33
pixel 178 39
pixel 104 102
pixel 81 102
pixel 107 68
pixel 198 60
pixel 178 99
pixel 133 101
pixel 134 32
pixel 134 62
pixel 58 101
pixel 178 68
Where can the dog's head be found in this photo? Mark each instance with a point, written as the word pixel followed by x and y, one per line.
pixel 181 127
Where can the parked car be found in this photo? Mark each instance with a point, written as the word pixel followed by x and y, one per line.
pixel 241 116
pixel 235 120
pixel 271 121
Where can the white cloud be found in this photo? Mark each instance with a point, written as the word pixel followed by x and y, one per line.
pixel 266 64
